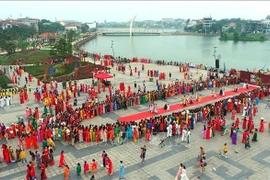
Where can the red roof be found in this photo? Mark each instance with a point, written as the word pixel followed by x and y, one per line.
pixel 48 35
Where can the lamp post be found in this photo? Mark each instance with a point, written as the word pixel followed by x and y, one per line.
pixel 112 47
pixel 217 58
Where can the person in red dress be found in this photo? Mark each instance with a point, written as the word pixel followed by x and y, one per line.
pixel 33 171
pixel 251 127
pixel 255 110
pixel 237 123
pixel 27 142
pixel 208 133
pixel 238 107
pixel 21 97
pixel 261 129
pixel 28 172
pixel 173 129
pixel 233 114
pixel 43 171
pixel 34 140
pixel 110 166
pixel 6 153
pixel 244 137
pixel 244 125
pixel 62 159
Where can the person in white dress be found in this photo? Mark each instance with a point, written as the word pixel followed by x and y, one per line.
pixel 177 129
pixel 168 107
pixel 7 101
pixel 169 130
pixel 1 102
pixel 178 175
pixel 184 174
pixel 184 132
pixel 188 136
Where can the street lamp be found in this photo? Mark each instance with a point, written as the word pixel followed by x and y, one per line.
pixel 112 47
pixel 217 58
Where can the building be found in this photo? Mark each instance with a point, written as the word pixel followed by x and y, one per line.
pixel 191 23
pixel 29 22
pixel 92 25
pixel 207 24
pixel 266 26
pixel 8 24
pixel 167 19
pixel 72 27
pixel 226 27
pixel 48 37
pixel 254 26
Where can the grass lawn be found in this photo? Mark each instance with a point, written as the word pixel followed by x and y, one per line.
pixel 32 57
pixel 62 70
pixel 4 81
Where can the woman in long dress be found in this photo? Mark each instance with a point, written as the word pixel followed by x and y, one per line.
pixel 110 166
pixel 62 159
pixel 234 137
pixel 121 170
pixel 178 175
pixel 184 174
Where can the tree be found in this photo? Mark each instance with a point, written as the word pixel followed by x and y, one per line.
pixel 63 48
pixel 231 30
pixel 85 28
pixel 223 36
pixel 236 36
pixel 22 45
pixel 8 46
pixel 268 17
pixel 52 27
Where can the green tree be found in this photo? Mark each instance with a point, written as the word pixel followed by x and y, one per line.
pixel 63 48
pixel 22 45
pixel 231 30
pixel 52 27
pixel 223 36
pixel 236 36
pixel 85 28
pixel 8 46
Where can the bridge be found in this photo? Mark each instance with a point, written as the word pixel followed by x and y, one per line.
pixel 127 33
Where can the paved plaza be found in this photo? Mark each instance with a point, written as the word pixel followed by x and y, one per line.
pixel 161 163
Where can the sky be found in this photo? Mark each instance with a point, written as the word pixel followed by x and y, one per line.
pixel 123 11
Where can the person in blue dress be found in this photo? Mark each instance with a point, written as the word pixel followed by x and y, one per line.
pixel 129 132
pixel 121 170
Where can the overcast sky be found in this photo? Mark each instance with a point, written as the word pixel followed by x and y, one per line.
pixel 89 11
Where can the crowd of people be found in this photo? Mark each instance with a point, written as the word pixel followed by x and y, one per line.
pixel 61 122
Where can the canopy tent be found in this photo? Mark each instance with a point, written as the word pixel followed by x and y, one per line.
pixel 103 75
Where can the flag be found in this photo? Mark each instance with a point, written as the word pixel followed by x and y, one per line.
pixel 224 66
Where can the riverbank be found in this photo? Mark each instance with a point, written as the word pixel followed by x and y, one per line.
pixel 242 37
pixel 190 34
pixel 84 40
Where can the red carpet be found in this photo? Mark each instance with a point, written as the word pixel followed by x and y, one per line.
pixel 178 106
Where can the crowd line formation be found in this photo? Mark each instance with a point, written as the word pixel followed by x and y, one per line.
pixel 60 121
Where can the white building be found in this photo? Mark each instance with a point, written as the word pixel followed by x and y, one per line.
pixel 29 22
pixel 207 24
pixel 92 25
pixel 69 27
pixel 8 24
pixel 191 23
pixel 266 26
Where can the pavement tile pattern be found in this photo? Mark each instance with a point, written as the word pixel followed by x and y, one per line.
pixel 161 162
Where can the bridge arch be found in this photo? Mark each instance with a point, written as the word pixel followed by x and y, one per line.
pixel 131 25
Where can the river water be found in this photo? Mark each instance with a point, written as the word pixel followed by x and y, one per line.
pixel 196 49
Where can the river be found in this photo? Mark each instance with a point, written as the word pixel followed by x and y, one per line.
pixel 196 49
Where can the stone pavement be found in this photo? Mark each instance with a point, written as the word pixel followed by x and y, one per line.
pixel 161 163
